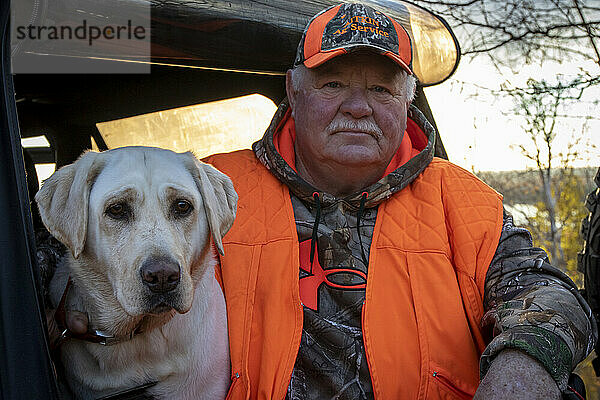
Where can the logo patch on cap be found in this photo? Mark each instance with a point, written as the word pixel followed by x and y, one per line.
pixel 355 24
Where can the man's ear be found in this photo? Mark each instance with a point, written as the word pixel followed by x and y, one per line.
pixel 289 89
pixel 218 196
pixel 63 200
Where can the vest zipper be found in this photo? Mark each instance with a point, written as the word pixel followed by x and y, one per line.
pixel 367 357
pixel 450 386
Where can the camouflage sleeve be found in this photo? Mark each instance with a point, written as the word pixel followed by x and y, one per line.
pixel 535 308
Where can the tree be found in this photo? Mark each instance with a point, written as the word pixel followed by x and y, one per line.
pixel 512 32
pixel 568 218
pixel 540 109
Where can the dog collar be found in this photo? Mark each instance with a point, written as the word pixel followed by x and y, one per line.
pixel 93 335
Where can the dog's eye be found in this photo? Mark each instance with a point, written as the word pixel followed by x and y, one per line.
pixel 118 211
pixel 181 208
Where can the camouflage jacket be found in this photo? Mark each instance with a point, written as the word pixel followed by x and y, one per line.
pixel 530 305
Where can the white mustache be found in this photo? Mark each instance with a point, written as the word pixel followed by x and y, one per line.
pixel 366 126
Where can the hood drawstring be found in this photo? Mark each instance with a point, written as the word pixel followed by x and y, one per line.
pixel 361 210
pixel 313 240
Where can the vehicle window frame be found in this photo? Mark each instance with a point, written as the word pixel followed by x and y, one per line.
pixel 26 370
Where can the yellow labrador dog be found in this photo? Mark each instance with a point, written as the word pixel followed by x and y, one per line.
pixel 138 222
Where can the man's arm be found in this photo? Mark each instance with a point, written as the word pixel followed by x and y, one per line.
pixel 533 308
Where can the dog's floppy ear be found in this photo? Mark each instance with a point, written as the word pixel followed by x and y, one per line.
pixel 219 197
pixel 63 201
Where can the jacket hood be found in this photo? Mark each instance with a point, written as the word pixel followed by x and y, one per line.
pixel 419 131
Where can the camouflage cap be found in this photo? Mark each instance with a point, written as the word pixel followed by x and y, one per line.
pixel 346 27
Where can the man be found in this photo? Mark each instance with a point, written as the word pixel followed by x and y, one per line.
pixel 361 267
pixel 358 267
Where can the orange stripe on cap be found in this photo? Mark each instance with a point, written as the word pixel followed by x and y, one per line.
pixel 398 61
pixel 314 35
pixel 404 44
pixel 321 57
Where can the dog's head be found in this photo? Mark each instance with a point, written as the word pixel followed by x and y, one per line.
pixel 139 221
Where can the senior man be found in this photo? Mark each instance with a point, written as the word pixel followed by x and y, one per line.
pixel 360 266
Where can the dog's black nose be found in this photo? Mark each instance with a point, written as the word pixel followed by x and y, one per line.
pixel 160 275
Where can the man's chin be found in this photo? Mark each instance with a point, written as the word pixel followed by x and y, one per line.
pixel 354 155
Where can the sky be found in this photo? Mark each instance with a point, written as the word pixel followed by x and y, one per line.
pixel 477 128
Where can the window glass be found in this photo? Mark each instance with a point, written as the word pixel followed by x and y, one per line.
pixel 35 141
pixel 43 170
pixel 207 128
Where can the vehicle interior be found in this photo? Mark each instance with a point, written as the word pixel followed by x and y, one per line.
pixel 215 76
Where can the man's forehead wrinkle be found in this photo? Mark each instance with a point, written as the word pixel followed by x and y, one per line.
pixel 376 71
pixel 330 67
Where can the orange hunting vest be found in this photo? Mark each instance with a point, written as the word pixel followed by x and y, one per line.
pixel 432 245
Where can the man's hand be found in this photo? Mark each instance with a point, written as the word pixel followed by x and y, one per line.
pixel 514 375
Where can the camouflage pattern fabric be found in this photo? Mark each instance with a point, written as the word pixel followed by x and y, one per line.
pixel 377 29
pixel 332 362
pixel 532 306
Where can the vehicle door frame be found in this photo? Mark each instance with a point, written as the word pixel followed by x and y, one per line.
pixel 26 369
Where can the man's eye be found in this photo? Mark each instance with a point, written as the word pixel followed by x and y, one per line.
pixel 118 211
pixel 379 89
pixel 181 208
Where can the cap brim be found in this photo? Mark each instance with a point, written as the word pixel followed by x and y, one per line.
pixel 321 58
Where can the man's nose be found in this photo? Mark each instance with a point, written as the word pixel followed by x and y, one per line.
pixel 356 104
